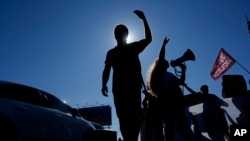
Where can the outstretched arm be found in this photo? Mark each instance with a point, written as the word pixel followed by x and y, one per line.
pixel 147 30
pixel 105 78
pixel 189 89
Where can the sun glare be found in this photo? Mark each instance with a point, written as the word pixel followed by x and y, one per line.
pixel 129 38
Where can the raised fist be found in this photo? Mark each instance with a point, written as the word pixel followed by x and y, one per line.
pixel 140 14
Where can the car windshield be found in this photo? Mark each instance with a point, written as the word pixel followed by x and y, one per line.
pixel 23 94
pixel 58 104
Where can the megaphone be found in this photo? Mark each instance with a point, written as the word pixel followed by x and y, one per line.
pixel 188 55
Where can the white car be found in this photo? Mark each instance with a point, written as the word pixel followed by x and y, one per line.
pixel 27 113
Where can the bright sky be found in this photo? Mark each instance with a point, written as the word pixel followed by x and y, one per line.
pixel 60 45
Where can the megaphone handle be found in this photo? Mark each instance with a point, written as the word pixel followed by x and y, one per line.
pixel 176 72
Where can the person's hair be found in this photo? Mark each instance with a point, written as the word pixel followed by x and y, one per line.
pixel 121 31
pixel 154 75
pixel 149 77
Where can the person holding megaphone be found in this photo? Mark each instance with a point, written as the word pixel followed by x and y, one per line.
pixel 165 86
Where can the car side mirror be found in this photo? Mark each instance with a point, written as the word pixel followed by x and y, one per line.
pixel 74 112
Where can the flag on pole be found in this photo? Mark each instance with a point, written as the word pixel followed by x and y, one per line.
pixel 223 62
pixel 248 24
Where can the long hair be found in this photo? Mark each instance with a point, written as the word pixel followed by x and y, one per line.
pixel 155 76
pixel 151 76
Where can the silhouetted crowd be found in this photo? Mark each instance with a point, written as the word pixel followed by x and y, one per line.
pixel 163 109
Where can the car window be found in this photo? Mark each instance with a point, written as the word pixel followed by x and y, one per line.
pixel 58 104
pixel 23 94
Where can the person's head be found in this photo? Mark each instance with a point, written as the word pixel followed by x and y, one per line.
pixel 121 33
pixel 204 89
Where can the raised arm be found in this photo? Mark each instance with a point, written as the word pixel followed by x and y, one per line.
pixel 162 51
pixel 190 89
pixel 147 30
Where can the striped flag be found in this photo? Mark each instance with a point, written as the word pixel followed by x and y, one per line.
pixel 223 62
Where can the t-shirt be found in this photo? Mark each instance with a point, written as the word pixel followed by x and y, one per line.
pixel 126 66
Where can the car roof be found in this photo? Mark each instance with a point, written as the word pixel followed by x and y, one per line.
pixel 19 84
pixel 24 85
pixel 14 83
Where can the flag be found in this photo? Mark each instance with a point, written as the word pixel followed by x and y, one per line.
pixel 248 24
pixel 223 62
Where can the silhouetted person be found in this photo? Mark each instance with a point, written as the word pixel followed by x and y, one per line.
pixel 127 79
pixel 214 119
pixel 166 86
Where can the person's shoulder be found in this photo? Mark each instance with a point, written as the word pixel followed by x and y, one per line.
pixel 211 97
pixel 112 49
pixel 132 44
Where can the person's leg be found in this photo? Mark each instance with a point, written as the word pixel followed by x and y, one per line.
pixel 123 127
pixel 121 111
pixel 197 130
pixel 159 131
pixel 148 128
pixel 209 124
pixel 169 129
pixel 131 117
pixel 135 126
pixel 130 128
pixel 154 129
pixel 184 126
pixel 135 115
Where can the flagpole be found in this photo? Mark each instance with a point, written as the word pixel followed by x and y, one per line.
pixel 238 63
pixel 242 67
pixel 246 18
